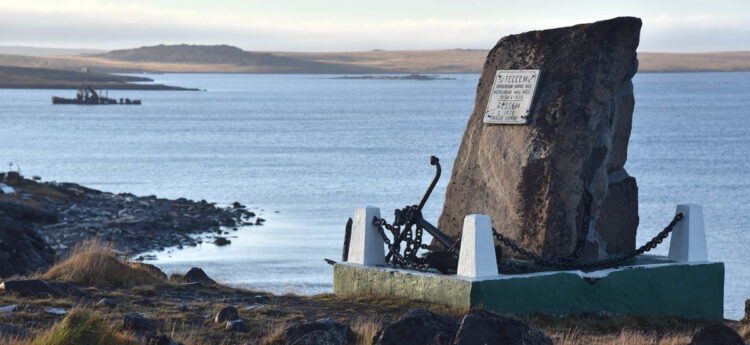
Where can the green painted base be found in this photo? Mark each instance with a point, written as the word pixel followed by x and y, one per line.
pixel 661 287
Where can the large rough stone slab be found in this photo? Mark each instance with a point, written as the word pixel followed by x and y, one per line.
pixel 483 327
pixel 542 181
pixel 419 326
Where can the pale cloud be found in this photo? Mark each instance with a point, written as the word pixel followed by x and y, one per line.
pixel 111 25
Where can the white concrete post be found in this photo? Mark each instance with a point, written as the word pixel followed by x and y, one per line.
pixel 688 241
pixel 477 256
pixel 366 244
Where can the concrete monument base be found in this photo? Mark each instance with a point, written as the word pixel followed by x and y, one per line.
pixel 651 285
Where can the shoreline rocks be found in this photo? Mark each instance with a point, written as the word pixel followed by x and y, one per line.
pixel 44 219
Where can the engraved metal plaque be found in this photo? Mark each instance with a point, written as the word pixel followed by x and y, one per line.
pixel 511 97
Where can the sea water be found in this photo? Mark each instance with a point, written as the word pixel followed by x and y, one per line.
pixel 304 150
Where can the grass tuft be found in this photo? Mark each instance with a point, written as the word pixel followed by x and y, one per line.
pixel 366 329
pixel 83 327
pixel 94 263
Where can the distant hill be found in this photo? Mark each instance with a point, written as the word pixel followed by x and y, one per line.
pixel 229 59
pixel 44 51
pixel 694 62
pixel 229 55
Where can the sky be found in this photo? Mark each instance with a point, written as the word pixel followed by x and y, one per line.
pixel 351 25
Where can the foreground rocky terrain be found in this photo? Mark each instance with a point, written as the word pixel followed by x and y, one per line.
pixel 96 297
pixel 44 219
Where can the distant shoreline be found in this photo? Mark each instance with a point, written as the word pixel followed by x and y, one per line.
pixel 135 87
pixel 12 77
pixel 228 59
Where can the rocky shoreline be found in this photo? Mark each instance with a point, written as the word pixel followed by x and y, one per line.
pixel 57 216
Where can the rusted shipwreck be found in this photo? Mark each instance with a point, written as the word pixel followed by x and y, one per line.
pixel 86 95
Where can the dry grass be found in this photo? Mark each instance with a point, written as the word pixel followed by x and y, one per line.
pixel 83 327
pixel 275 329
pixel 366 329
pixel 625 337
pixel 94 263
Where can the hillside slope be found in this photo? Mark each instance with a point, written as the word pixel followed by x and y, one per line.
pixel 228 59
pixel 229 55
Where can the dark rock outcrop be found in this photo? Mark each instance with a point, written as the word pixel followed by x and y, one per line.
pixel 227 314
pixel 21 249
pixel 197 275
pixel 540 182
pixel 137 323
pixel 419 326
pixel 716 334
pixel 221 241
pixel 319 332
pixel 235 326
pixel 65 214
pixel 107 303
pixel 483 327
pixel 26 288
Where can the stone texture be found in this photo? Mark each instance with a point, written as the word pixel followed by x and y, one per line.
pixel 196 274
pixel 21 249
pixel 31 287
pixel 235 326
pixel 419 326
pixel 319 332
pixel 716 334
pixel 483 327
pixel 227 314
pixel 137 323
pixel 538 182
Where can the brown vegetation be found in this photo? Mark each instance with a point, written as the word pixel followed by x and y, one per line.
pixel 94 263
pixel 180 310
pixel 83 327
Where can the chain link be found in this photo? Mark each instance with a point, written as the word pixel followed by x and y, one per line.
pixel 412 239
pixel 571 262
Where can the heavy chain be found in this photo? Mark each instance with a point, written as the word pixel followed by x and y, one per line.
pixel 411 238
pixel 570 263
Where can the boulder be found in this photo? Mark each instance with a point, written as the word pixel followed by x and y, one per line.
pixel 137 323
pixel 419 326
pixel 716 334
pixel 542 181
pixel 27 288
pixel 196 274
pixel 483 327
pixel 221 241
pixel 106 302
pixel 227 314
pixel 235 326
pixel 319 332
pixel 21 249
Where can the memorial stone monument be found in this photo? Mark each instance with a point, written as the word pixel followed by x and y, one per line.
pixel 544 150
pixel 542 161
